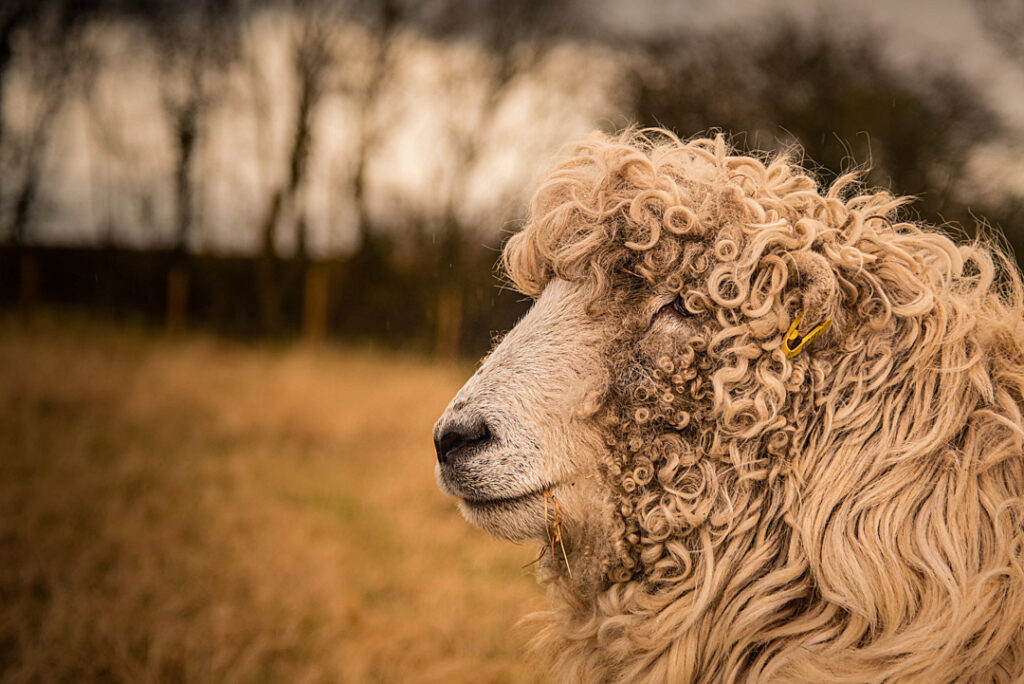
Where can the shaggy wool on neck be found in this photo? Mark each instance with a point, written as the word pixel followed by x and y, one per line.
pixel 851 514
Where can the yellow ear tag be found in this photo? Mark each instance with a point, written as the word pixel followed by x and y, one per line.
pixel 792 336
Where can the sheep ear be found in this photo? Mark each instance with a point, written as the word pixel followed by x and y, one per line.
pixel 819 285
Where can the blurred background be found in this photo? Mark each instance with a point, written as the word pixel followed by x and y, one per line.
pixel 247 255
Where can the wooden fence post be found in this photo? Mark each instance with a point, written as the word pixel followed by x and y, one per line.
pixel 177 297
pixel 28 281
pixel 315 300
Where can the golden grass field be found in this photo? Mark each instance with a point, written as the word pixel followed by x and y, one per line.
pixel 192 509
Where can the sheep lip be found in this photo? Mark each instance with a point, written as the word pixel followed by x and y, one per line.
pixel 506 500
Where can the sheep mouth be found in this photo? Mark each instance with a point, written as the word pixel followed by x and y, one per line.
pixel 505 500
pixel 515 518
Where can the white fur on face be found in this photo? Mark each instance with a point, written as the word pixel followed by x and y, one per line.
pixel 529 393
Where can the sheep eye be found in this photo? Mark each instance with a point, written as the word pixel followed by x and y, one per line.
pixel 680 308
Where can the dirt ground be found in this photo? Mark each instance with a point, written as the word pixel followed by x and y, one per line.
pixel 192 509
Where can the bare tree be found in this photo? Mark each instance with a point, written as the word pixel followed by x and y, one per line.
pixel 49 50
pixel 108 150
pixel 364 79
pixel 12 16
pixel 514 34
pixel 311 59
pixel 193 42
pixel 378 65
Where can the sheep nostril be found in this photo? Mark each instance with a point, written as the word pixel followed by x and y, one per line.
pixel 460 436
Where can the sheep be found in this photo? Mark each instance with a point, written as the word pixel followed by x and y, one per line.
pixel 764 431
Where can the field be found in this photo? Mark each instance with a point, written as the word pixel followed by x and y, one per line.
pixel 191 509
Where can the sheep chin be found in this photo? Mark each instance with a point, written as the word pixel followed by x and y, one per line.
pixel 516 519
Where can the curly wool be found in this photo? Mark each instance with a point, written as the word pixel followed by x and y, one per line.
pixel 851 514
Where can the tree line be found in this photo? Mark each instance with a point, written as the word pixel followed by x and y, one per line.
pixel 350 152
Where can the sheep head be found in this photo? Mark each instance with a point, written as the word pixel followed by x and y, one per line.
pixel 715 476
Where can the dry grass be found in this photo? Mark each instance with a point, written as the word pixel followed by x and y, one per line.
pixel 195 510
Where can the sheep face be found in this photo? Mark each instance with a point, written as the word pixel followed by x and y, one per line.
pixel 540 423
pixel 517 437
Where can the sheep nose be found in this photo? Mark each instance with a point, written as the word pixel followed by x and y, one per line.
pixel 460 435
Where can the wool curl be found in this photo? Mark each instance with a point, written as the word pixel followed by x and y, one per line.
pixel 854 513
